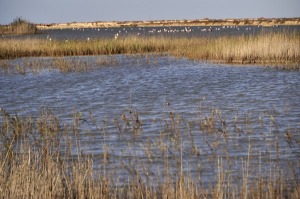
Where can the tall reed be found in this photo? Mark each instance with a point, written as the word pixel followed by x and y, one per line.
pixel 18 27
pixel 44 157
pixel 261 48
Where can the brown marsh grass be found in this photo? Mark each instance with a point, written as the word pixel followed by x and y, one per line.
pixel 262 48
pixel 18 27
pixel 61 64
pixel 43 157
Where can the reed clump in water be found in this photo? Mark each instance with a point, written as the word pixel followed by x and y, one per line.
pixel 61 64
pixel 262 48
pixel 43 157
pixel 18 27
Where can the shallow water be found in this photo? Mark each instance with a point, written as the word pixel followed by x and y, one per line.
pixel 149 83
pixel 179 31
pixel 154 86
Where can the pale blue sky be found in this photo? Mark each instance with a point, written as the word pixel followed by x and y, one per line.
pixel 55 11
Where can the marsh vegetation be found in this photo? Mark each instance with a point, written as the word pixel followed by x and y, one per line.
pixel 209 157
pixel 129 117
pixel 141 126
pixel 262 48
pixel 18 27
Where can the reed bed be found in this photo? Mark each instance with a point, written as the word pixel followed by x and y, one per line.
pixel 64 64
pixel 18 27
pixel 261 48
pixel 46 157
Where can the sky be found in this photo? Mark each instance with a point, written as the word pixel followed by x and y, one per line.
pixel 61 11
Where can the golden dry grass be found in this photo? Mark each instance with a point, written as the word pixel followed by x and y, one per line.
pixel 262 48
pixel 37 160
pixel 18 27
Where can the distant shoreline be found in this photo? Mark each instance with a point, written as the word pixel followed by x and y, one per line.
pixel 197 22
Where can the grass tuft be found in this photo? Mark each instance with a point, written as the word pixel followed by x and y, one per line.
pixel 19 26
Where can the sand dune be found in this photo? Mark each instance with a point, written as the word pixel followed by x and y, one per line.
pixel 200 22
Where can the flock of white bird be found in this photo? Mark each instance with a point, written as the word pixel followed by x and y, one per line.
pixel 156 30
pixel 171 30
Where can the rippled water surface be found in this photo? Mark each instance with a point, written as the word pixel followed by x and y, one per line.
pixel 149 84
pixel 157 86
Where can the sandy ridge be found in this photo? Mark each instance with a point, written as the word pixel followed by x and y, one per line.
pixel 200 22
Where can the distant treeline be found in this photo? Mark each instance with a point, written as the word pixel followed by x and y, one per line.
pixel 17 27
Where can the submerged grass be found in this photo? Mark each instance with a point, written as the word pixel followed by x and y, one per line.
pixel 262 48
pixel 43 157
pixel 61 64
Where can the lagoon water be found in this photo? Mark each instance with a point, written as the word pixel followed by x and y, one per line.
pixel 154 86
pixel 148 82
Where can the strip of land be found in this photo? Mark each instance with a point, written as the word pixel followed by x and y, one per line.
pixel 198 22
pixel 262 48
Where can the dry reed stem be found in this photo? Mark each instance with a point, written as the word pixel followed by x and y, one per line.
pixel 38 162
pixel 261 48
